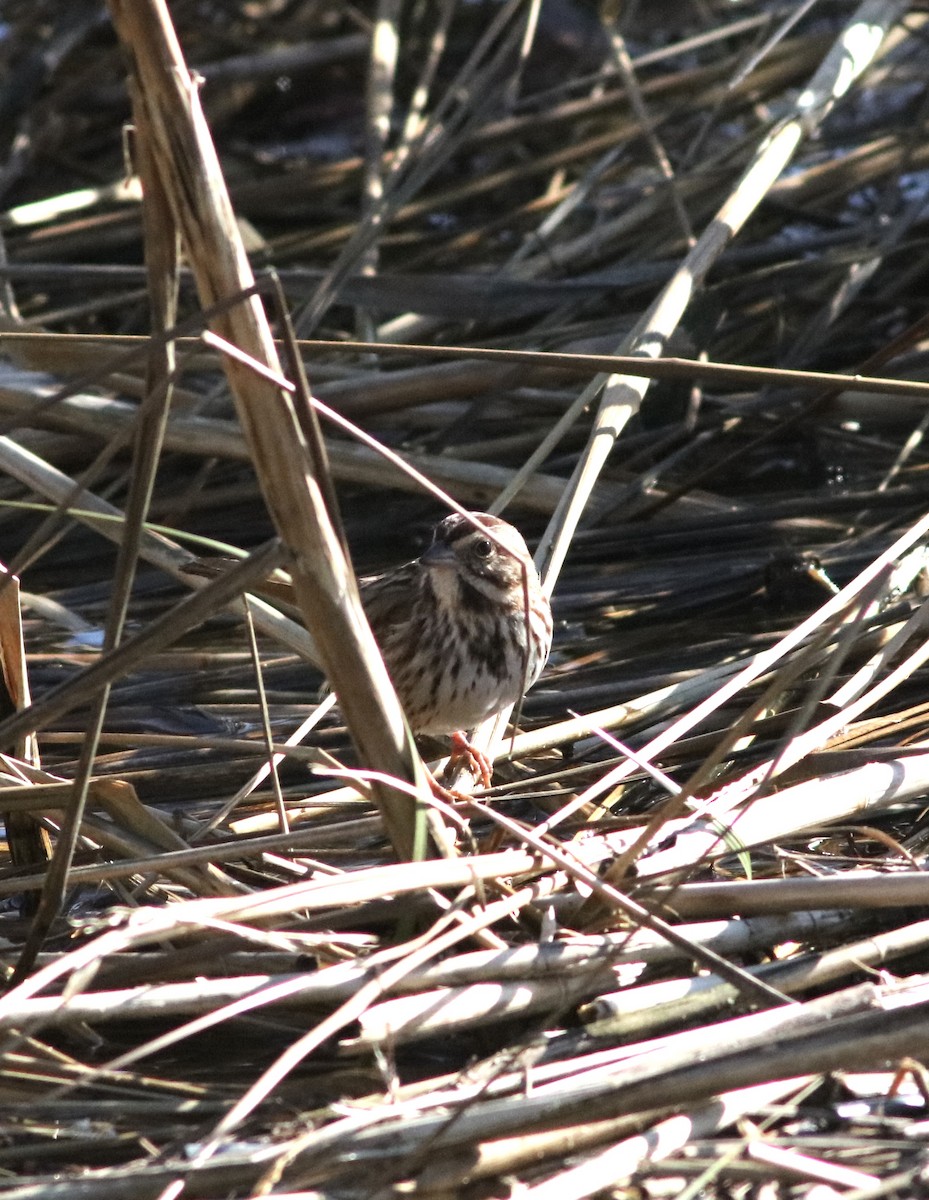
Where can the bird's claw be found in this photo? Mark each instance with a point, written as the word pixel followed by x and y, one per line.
pixel 464 754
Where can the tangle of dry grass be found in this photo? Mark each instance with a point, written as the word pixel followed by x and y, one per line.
pixel 654 285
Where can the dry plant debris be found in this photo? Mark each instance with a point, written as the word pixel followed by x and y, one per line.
pixel 651 279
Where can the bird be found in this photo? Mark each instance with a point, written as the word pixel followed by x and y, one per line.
pixel 464 630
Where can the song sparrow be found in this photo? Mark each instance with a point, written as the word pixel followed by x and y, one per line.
pixel 465 628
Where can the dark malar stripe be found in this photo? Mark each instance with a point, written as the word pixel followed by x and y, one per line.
pixel 473 599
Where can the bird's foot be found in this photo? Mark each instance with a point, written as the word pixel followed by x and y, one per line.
pixel 464 754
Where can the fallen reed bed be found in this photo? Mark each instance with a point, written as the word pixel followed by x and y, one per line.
pixel 282 282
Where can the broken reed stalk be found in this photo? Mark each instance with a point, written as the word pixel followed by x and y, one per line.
pixel 325 586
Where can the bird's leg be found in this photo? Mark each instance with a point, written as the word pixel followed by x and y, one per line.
pixel 477 762
pixel 463 754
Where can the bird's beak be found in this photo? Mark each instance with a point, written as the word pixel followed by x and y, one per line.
pixel 439 555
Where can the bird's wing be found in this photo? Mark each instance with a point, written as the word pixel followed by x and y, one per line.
pixel 387 599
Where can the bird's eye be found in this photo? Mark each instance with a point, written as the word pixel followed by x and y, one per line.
pixel 483 548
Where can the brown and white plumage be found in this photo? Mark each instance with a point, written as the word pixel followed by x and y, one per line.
pixel 452 624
